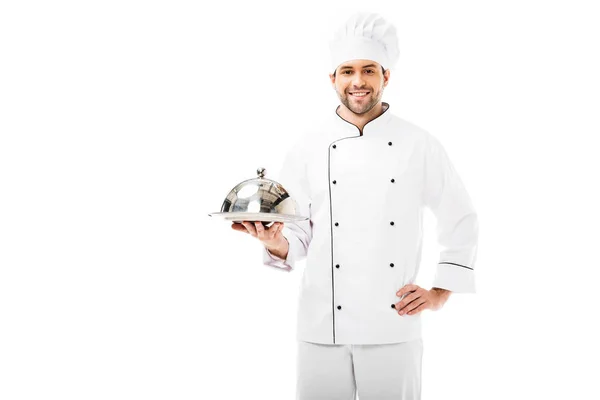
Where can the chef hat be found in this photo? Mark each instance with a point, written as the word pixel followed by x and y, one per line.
pixel 365 36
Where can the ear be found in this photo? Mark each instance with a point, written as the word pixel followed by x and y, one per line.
pixel 386 77
pixel 332 79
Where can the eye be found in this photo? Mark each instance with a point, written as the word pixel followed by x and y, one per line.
pixel 370 70
pixel 344 72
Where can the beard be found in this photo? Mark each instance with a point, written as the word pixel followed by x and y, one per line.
pixel 360 106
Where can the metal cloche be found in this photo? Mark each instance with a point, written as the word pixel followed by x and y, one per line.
pixel 259 199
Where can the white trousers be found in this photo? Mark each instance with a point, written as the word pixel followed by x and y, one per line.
pixel 374 372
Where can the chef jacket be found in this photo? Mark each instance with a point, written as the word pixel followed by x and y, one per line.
pixel 364 195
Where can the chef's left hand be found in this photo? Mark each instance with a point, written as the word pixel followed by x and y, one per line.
pixel 419 299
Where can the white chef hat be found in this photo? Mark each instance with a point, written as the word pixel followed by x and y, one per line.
pixel 365 36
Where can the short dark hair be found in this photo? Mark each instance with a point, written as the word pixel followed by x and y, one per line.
pixel 382 71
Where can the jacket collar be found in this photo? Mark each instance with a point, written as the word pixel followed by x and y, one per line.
pixel 347 129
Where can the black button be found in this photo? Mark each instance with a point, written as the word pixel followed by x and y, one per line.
pixel 390 143
pixel 337 265
pixel 334 146
pixel 339 307
pixel 392 223
pixel 334 182
pixel 393 306
pixel 393 180
pixel 391 264
pixel 336 224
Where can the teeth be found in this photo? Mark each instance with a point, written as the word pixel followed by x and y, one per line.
pixel 359 94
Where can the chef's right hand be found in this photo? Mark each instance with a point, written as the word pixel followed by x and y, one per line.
pixel 271 237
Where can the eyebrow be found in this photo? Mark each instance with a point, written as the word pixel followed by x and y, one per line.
pixel 349 67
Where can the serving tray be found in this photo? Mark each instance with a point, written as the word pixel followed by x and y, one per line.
pixel 263 217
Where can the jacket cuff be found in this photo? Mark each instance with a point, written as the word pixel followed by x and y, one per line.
pixel 272 260
pixel 455 277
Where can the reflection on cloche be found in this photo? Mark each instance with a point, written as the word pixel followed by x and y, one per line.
pixel 259 199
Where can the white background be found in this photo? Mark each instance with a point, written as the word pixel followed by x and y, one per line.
pixel 123 124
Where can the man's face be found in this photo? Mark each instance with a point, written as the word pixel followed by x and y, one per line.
pixel 356 77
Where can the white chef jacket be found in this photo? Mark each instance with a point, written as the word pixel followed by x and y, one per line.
pixel 365 195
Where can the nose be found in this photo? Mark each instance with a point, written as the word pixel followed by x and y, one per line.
pixel 358 81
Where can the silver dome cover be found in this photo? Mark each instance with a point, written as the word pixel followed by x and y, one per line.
pixel 259 199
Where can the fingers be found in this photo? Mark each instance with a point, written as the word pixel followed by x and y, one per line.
pixel 259 231
pixel 236 226
pixel 273 230
pixel 401 305
pixel 417 307
pixel 250 227
pixel 412 301
pixel 408 288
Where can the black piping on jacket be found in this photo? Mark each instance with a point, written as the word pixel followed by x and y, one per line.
pixel 330 206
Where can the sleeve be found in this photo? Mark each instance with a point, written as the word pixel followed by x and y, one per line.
pixel 457 223
pixel 292 177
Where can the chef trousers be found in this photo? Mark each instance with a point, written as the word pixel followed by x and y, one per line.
pixel 374 372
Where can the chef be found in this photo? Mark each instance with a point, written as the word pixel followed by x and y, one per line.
pixel 364 176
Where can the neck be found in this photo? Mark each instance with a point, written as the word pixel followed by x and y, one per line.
pixel 360 120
